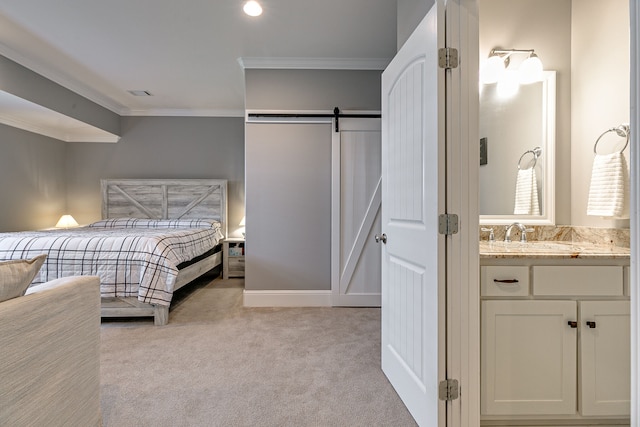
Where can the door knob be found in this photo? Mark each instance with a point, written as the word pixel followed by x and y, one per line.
pixel 381 238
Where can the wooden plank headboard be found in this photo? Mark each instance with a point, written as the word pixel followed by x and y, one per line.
pixel 165 199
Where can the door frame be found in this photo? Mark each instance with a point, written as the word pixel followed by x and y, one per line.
pixel 463 168
pixel 634 280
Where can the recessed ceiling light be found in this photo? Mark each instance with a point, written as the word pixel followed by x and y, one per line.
pixel 252 8
pixel 140 92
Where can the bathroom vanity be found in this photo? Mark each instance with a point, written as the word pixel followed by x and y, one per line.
pixel 555 333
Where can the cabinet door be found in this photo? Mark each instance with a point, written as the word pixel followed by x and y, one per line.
pixel 528 362
pixel 605 350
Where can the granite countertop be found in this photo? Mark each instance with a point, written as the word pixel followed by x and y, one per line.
pixel 552 249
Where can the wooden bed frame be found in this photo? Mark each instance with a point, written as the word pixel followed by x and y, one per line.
pixel 163 199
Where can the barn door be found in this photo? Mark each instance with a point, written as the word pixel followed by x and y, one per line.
pixel 356 196
pixel 413 196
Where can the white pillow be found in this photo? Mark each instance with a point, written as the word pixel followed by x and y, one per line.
pixel 155 223
pixel 16 276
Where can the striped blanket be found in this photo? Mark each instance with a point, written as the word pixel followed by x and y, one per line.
pixel 130 262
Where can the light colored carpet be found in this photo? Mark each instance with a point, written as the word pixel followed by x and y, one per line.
pixel 219 364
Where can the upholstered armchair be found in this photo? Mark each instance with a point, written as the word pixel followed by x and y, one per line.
pixel 50 355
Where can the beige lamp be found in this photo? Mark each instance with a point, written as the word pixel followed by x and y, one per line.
pixel 243 224
pixel 66 221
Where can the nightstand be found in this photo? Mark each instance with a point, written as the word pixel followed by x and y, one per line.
pixel 232 257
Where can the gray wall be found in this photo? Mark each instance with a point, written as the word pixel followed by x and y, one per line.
pixel 288 206
pixel 159 147
pixel 288 174
pixel 44 178
pixel 410 14
pixel 312 89
pixel 32 173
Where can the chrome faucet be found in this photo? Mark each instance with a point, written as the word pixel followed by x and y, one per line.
pixel 523 232
pixel 492 236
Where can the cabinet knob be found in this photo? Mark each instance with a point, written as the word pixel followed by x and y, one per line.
pixel 572 323
pixel 591 324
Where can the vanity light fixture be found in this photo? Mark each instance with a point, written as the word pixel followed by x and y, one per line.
pixel 493 69
pixel 252 8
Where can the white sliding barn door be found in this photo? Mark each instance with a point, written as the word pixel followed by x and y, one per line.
pixel 356 197
pixel 413 196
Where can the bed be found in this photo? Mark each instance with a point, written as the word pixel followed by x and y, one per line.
pixel 155 236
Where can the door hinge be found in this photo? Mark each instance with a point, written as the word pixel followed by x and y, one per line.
pixel 448 224
pixel 449 390
pixel 448 57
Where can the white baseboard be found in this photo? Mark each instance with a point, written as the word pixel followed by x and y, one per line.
pixel 287 298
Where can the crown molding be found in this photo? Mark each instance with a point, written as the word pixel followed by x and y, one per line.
pixel 61 79
pixel 314 63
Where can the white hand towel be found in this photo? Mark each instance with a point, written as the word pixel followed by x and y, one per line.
pixel 609 190
pixel 526 202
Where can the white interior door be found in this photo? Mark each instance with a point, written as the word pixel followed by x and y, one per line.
pixel 413 260
pixel 356 198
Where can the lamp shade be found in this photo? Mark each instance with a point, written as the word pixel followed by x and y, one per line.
pixel 530 70
pixel 508 85
pixel 66 221
pixel 492 70
pixel 243 222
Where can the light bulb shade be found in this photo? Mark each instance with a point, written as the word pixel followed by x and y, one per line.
pixel 530 70
pixel 492 70
pixel 252 8
pixel 508 85
pixel 66 221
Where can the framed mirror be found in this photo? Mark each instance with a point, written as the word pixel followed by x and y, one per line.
pixel 517 154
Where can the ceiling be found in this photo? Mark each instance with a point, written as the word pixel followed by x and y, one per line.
pixel 187 53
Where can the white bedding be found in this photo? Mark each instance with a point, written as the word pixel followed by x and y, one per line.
pixel 132 258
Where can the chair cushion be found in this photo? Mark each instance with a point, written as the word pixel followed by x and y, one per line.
pixel 17 275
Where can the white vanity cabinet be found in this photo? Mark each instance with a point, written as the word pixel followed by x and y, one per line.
pixel 555 341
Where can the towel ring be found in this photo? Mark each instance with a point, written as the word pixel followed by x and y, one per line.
pixel 622 131
pixel 536 153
